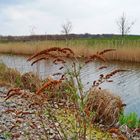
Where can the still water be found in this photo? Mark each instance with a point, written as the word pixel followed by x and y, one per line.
pixel 126 84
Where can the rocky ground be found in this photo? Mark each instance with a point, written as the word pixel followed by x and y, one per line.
pixel 30 127
pixel 25 127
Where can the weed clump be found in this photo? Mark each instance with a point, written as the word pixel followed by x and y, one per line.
pixel 131 120
pixel 12 78
pixel 30 81
pixel 9 76
pixel 105 105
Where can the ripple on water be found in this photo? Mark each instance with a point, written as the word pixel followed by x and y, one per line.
pixel 126 85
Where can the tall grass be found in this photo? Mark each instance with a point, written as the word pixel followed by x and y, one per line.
pixel 126 50
pixel 62 106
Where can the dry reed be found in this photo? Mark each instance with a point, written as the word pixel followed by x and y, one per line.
pixel 12 78
pixel 30 81
pixel 106 106
pixel 124 52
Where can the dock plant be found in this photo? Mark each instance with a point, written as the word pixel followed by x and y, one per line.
pixel 61 107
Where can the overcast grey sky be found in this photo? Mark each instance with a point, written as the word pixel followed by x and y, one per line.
pixel 18 17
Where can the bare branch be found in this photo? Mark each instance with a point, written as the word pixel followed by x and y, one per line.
pixel 124 25
pixel 66 28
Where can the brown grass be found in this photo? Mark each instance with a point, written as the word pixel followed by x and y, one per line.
pixel 8 76
pixel 12 78
pixel 106 106
pixel 30 81
pixel 126 52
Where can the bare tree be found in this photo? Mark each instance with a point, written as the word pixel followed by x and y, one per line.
pixel 124 25
pixel 32 29
pixel 66 29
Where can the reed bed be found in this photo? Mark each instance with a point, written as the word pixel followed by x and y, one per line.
pixel 127 50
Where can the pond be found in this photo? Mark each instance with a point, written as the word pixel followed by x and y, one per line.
pixel 126 84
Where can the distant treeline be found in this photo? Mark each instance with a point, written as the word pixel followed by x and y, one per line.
pixel 56 37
